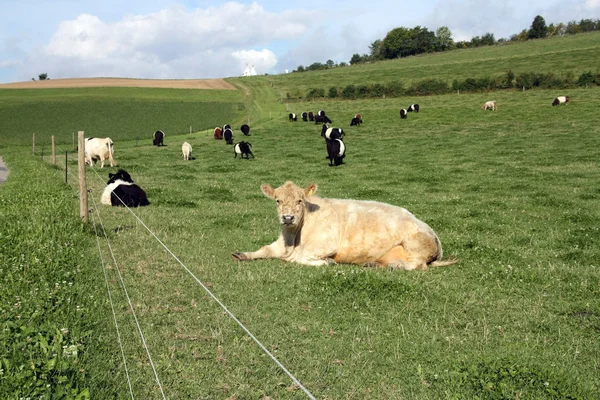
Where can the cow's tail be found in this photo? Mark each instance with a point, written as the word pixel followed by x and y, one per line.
pixel 445 263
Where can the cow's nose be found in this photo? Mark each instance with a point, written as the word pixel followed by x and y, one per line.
pixel 287 219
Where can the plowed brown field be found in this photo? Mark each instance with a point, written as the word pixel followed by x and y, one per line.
pixel 216 84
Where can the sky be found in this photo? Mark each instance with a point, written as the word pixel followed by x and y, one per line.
pixel 195 39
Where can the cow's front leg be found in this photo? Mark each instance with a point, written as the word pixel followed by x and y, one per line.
pixel 276 249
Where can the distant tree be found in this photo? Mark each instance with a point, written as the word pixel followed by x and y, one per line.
pixel 443 38
pixel 560 29
pixel 538 28
pixel 342 64
pixel 587 25
pixel 572 28
pixel 396 43
pixel 33 79
pixel 375 50
pixel 300 68
pixel 43 76
pixel 330 64
pixel 356 59
pixel 315 66
pixel 488 39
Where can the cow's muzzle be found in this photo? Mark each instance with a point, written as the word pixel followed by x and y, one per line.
pixel 287 219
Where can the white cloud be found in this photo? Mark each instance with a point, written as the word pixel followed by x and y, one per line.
pixel 173 42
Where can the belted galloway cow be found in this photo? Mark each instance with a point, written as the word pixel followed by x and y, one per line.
pixel 321 231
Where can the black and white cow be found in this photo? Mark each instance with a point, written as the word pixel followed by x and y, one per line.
pixel 121 191
pixel 332 133
pixel 560 100
pixel 245 129
pixel 228 135
pixel 159 136
pixel 226 126
pixel 403 113
pixel 336 151
pixel 293 117
pixel 242 148
pixel 304 116
pixel 413 107
pixel 321 113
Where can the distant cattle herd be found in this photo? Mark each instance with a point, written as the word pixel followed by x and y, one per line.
pixel 121 190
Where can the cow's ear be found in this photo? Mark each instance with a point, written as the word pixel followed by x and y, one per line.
pixel 110 176
pixel 310 189
pixel 268 190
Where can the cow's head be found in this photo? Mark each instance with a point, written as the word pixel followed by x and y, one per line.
pixel 290 200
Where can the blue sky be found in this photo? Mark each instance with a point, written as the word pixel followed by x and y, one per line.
pixel 210 39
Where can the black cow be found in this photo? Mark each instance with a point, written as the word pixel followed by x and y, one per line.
pixel 355 121
pixel 121 191
pixel 242 148
pixel 228 135
pixel 304 116
pixel 413 107
pixel 159 136
pixel 322 119
pixel 245 130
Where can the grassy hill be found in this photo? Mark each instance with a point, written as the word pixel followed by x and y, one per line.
pixel 512 193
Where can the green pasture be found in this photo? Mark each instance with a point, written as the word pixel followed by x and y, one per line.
pixel 120 113
pixel 574 54
pixel 513 194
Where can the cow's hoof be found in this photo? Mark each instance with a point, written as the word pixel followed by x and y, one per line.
pixel 371 265
pixel 239 256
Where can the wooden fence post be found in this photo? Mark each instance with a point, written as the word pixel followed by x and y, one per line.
pixel 83 200
pixel 53 159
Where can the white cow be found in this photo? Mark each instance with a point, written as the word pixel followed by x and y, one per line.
pixel 319 231
pixel 186 149
pixel 489 105
pixel 99 149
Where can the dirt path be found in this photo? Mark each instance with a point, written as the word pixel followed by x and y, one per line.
pixel 215 84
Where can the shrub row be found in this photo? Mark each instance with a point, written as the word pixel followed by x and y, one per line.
pixel 509 80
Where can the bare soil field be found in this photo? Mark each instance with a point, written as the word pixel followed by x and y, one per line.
pixel 211 84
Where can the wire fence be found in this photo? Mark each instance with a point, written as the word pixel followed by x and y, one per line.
pixel 70 178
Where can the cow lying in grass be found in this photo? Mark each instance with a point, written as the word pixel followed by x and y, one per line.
pixel 121 191
pixel 319 231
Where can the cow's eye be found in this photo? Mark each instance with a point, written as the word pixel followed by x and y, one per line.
pixel 277 201
pixel 300 201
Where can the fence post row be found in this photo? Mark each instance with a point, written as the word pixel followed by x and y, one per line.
pixel 83 200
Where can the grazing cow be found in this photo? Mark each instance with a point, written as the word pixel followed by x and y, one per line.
pixel 228 134
pixel 293 117
pixel 321 119
pixel 245 129
pixel 304 116
pixel 413 107
pixel 186 150
pixel 159 136
pixel 218 135
pixel 560 100
pixel 311 116
pixel 355 121
pixel 336 151
pixel 321 231
pixel 121 191
pixel 489 105
pixel 226 126
pixel 99 149
pixel 403 113
pixel 242 148
pixel 321 113
pixel 332 133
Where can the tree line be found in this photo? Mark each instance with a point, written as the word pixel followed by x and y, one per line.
pixel 404 42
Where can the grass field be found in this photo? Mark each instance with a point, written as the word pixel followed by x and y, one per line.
pixel 513 194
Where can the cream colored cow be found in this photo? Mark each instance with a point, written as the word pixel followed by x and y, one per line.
pixel 186 150
pixel 489 105
pixel 320 231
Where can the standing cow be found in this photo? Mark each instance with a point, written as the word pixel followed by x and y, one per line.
pixel 99 149
pixel 560 100
pixel 489 105
pixel 245 129
pixel 159 137
pixel 218 135
pixel 336 151
pixel 403 113
pixel 320 231
pixel 293 117
pixel 186 150
pixel 228 135
pixel 242 148
pixel 413 107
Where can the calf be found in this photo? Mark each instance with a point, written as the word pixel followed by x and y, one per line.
pixel 560 100
pixel 413 107
pixel 121 191
pixel 245 129
pixel 218 135
pixel 321 119
pixel 159 136
pixel 489 105
pixel 336 151
pixel 242 148
pixel 293 117
pixel 403 113
pixel 332 133
pixel 228 134
pixel 186 150
pixel 323 231
pixel 99 149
